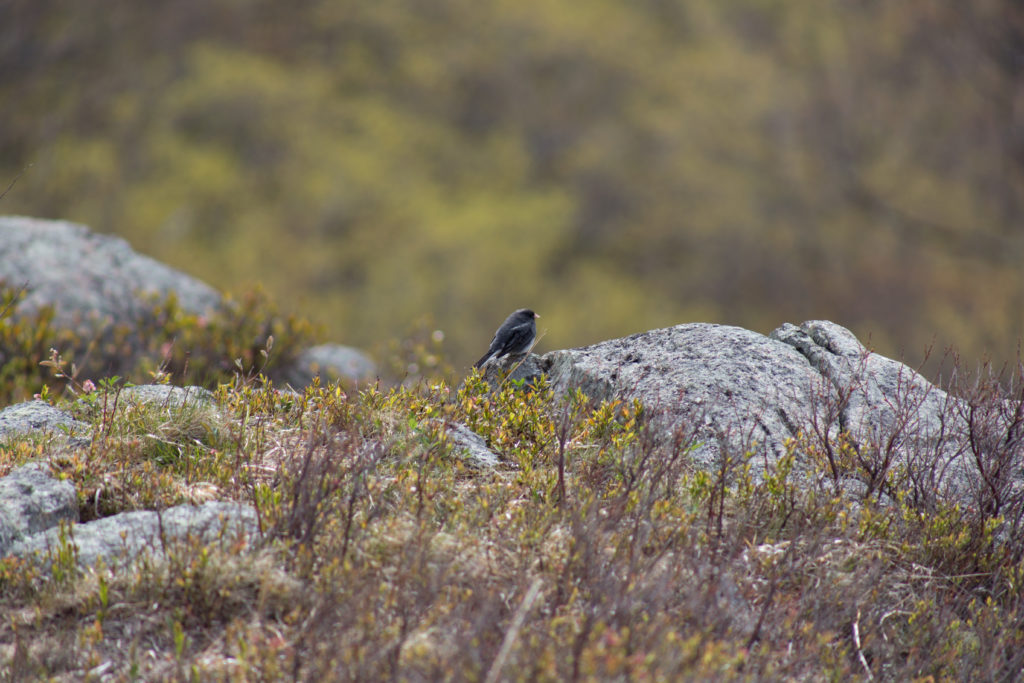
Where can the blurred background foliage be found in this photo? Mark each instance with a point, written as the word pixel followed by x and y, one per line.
pixel 615 166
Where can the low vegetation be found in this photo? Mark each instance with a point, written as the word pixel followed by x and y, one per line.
pixel 594 551
pixel 166 343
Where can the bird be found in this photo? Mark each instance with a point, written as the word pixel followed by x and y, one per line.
pixel 515 335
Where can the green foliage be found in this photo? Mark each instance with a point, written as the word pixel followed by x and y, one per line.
pixel 147 455
pixel 595 550
pixel 25 343
pixel 246 335
pixel 622 167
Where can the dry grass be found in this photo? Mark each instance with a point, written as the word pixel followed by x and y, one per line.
pixel 591 553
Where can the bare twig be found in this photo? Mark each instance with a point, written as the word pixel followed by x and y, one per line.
pixel 513 631
pixel 20 173
pixel 15 298
pixel 856 644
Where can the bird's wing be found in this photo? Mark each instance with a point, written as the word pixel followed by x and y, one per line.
pixel 518 336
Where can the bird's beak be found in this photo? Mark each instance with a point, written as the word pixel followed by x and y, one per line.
pixel 536 315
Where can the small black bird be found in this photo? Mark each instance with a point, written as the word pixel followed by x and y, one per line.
pixel 515 335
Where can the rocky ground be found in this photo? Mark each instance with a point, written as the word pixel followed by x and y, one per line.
pixel 696 502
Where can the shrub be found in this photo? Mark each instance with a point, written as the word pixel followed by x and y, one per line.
pixel 593 551
pixel 246 335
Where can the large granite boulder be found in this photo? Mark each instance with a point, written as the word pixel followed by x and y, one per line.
pixel 873 398
pixel 733 391
pixel 97 283
pixel 89 278
pixel 726 386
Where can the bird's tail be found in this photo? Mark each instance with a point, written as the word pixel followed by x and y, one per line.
pixel 480 363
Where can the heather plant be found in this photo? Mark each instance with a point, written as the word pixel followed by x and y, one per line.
pixel 595 550
pixel 167 343
pixel 25 343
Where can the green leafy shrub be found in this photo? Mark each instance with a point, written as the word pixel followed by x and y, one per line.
pixel 594 550
pixel 25 343
pixel 245 335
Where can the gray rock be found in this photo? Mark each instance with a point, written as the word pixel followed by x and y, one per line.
pixel 330 362
pixel 874 395
pixel 122 539
pixel 470 445
pixel 730 390
pixel 526 368
pixel 32 500
pixel 87 277
pixel 887 408
pixel 166 395
pixel 38 417
pixel 724 386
